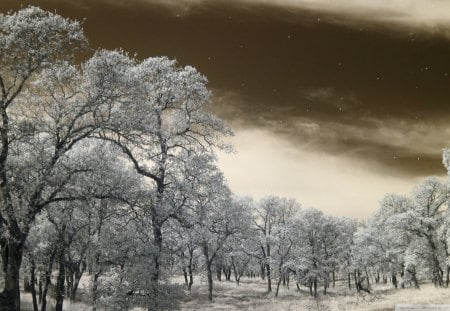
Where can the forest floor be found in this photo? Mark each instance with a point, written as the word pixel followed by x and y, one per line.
pixel 251 295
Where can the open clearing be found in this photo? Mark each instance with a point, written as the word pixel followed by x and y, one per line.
pixel 251 295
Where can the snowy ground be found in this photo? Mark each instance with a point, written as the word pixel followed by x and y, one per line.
pixel 251 295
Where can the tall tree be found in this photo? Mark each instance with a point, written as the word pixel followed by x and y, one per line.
pixel 32 42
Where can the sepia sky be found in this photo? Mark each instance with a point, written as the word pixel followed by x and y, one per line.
pixel 334 103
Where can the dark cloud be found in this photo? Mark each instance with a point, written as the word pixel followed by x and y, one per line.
pixel 358 88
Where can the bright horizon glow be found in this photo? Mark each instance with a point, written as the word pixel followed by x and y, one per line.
pixel 332 184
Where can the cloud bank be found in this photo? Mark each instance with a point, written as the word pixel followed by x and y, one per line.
pixel 430 15
pixel 334 184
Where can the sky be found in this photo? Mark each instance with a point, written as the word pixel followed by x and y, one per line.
pixel 333 102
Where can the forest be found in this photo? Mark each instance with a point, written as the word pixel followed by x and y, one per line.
pixel 108 174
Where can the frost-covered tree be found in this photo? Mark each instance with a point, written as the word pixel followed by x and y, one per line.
pixel 421 221
pixel 162 121
pixel 213 214
pixel 273 222
pixel 37 131
pixel 379 244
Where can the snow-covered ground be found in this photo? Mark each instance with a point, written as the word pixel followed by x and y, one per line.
pixel 251 295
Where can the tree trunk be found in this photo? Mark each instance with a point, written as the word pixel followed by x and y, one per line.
pixel 60 283
pixel 48 279
pixel 185 275
pixel 154 278
pixel 210 281
pixel 315 288
pixel 219 273
pixel 447 280
pixel 287 280
pixel 414 277
pixel 40 289
pixel 367 278
pixel 26 284
pixel 10 297
pixel 278 286
pixel 191 278
pixel 69 282
pixel 349 281
pixel 394 280
pixel 269 278
pixel 79 271
pixel 95 290
pixel 228 274
pixel 33 285
pixel 237 277
pixel 208 269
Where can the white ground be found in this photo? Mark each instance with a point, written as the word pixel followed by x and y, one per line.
pixel 251 295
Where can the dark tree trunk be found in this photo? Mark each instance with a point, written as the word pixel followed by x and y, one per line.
pixel 219 272
pixel 40 289
pixel 48 279
pixel 69 281
pixel 79 271
pixel 237 274
pixel 414 278
pixel 26 284
pixel 394 280
pixel 269 278
pixel 191 277
pixel 278 285
pixel 228 273
pixel 315 288
pixel 60 283
pixel 96 275
pixel 356 281
pixel 447 280
pixel 155 275
pixel 185 275
pixel 334 279
pixel 208 270
pixel 33 285
pixel 263 271
pixel 12 254
pixel 349 281
pixel 210 282
pixel 367 278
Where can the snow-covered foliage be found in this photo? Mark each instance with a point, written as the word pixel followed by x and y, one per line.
pixel 107 169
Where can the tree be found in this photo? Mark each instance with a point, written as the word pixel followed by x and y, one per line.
pixel 273 222
pixel 162 120
pixel 422 221
pixel 32 43
pixel 379 244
